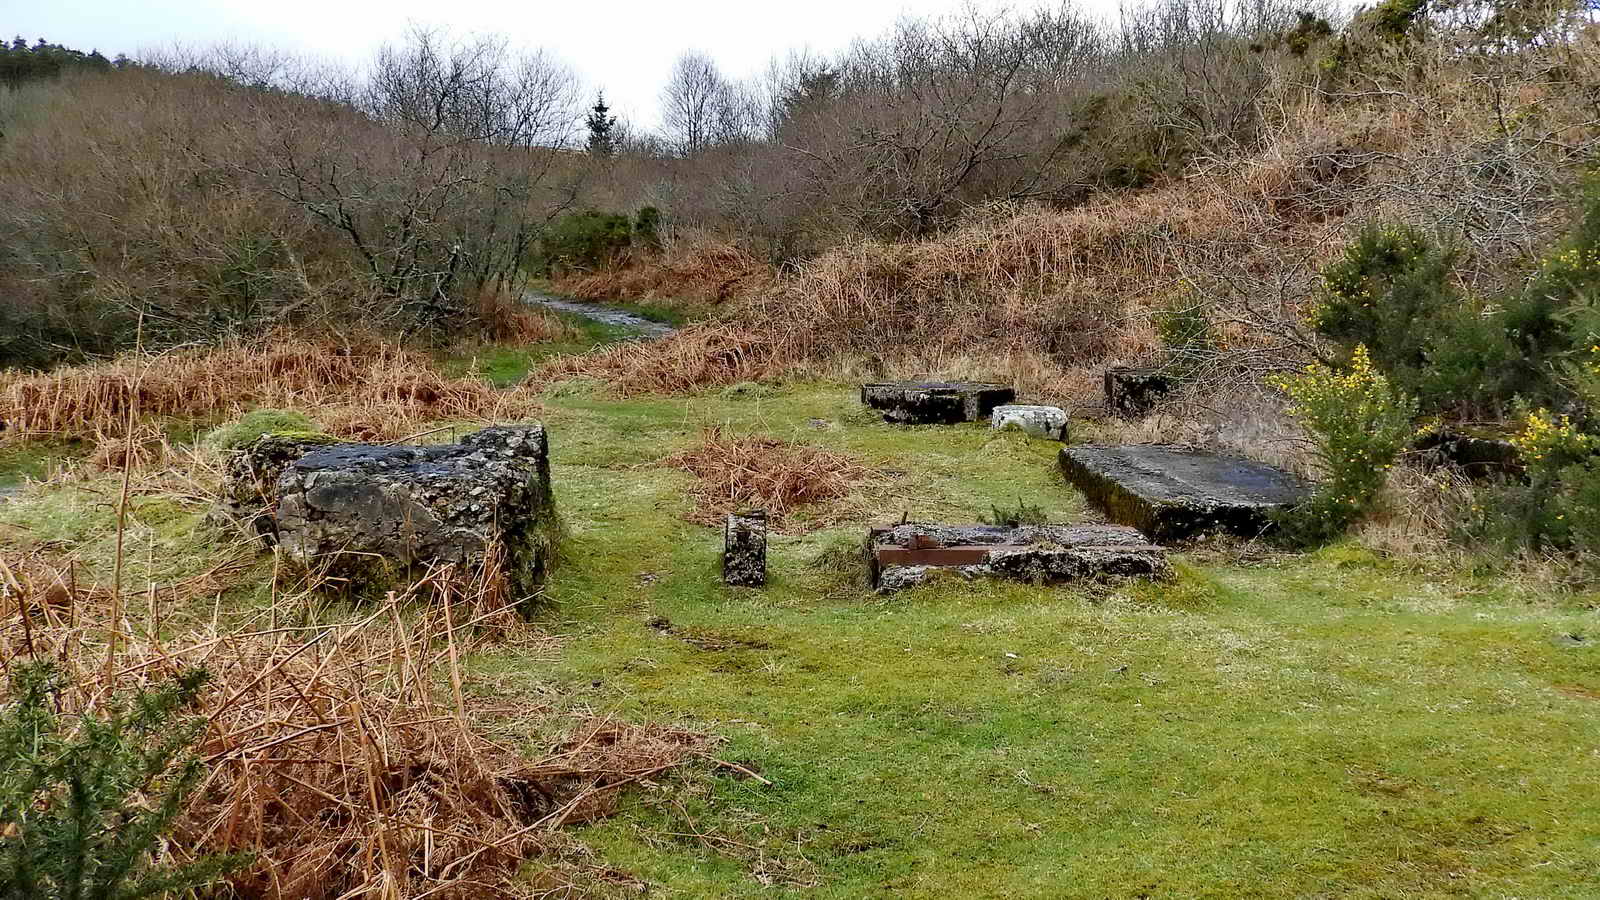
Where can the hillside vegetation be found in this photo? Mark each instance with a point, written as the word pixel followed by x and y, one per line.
pixel 1342 233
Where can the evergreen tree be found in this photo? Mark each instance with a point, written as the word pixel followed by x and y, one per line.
pixel 602 128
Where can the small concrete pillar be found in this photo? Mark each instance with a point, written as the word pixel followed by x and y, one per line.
pixel 744 549
pixel 1131 393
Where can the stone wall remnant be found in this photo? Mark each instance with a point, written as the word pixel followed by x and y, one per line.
pixel 911 553
pixel 1132 393
pixel 935 402
pixel 346 506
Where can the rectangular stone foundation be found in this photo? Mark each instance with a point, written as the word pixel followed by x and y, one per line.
pixel 360 508
pixel 912 553
pixel 1170 493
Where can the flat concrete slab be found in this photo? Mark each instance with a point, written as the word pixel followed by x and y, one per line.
pixel 935 402
pixel 909 554
pixel 1170 492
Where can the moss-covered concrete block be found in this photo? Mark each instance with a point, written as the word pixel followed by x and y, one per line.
pixel 485 499
pixel 935 402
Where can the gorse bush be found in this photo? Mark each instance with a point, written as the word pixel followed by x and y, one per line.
pixel 1359 423
pixel 1392 292
pixel 1555 322
pixel 86 800
pixel 585 240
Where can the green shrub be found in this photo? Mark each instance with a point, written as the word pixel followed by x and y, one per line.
pixel 257 422
pixel 1023 513
pixel 647 227
pixel 585 240
pixel 86 800
pixel 1555 321
pixel 1359 424
pixel 1392 293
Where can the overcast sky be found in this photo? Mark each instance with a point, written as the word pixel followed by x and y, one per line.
pixel 623 46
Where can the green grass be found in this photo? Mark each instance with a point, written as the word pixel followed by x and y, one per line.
pixel 1331 724
pixel 20 462
pixel 1317 725
pixel 506 365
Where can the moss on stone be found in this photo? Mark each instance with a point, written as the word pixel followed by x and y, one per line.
pixel 259 422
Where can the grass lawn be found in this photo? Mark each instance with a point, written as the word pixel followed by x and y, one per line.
pixel 1325 725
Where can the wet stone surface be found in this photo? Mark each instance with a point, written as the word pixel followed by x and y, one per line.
pixel 935 402
pixel 910 554
pixel 488 496
pixel 1170 493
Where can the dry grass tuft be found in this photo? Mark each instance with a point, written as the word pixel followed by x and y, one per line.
pixel 737 473
pixel 348 757
pixel 504 318
pixel 696 357
pixel 697 268
pixel 363 389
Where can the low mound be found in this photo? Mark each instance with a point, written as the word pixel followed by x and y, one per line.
pixel 737 473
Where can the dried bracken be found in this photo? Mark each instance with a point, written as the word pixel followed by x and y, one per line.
pixel 698 268
pixel 697 357
pixel 736 472
pixel 349 757
pixel 363 389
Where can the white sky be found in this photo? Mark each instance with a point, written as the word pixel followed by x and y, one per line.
pixel 625 47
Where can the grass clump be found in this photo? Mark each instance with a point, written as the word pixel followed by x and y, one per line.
pixel 256 423
pixel 1018 514
pixel 756 472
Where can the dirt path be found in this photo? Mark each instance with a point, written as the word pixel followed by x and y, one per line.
pixel 599 312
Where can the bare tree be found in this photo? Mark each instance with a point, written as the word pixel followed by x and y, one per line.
pixel 691 102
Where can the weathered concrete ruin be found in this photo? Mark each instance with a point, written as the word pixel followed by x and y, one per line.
pixel 361 509
pixel 1132 393
pixel 1476 455
pixel 744 549
pixel 1170 493
pixel 250 481
pixel 909 554
pixel 1049 422
pixel 935 402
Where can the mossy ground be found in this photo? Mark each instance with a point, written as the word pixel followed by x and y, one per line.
pixel 1268 725
pixel 1299 725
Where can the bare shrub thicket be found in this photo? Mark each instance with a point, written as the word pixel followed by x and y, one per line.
pixel 208 195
